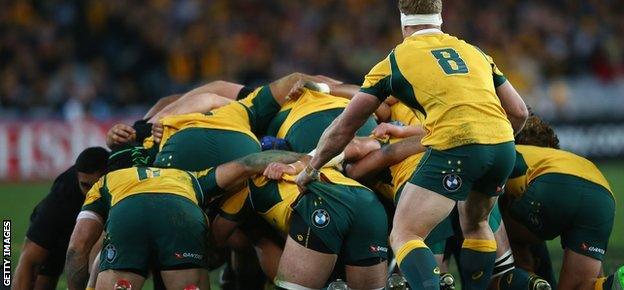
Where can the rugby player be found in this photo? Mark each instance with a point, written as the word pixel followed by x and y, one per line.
pixel 471 112
pixel 151 214
pixel 337 219
pixel 553 193
pixel 52 221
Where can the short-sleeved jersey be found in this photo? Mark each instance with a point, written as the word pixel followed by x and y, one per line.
pixel 120 184
pixel 451 82
pixel 533 162
pixel 250 116
pixel 273 200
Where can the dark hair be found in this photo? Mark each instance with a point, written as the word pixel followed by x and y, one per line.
pixel 536 132
pixel 91 160
pixel 127 156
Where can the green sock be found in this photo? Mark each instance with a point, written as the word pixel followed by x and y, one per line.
pixel 516 279
pixel 476 263
pixel 419 266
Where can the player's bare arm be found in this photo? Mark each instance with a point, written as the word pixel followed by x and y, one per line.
pixel 385 130
pixel 85 235
pixel 340 133
pixel 514 106
pixel 192 103
pixel 383 158
pixel 31 258
pixel 161 104
pixel 230 176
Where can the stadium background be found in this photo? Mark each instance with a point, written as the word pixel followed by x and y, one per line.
pixel 69 69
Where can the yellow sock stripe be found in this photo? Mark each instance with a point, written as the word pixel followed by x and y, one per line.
pixel 408 247
pixel 480 245
pixel 90 288
pixel 599 283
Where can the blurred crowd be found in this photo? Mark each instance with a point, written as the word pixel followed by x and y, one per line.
pixel 77 58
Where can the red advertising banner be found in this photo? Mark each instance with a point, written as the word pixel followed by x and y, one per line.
pixel 40 150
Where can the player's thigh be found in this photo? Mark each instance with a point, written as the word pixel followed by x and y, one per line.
pixel 474 212
pixel 179 279
pixel 577 269
pixel 186 249
pixel 418 211
pixel 106 279
pixel 367 277
pixel 305 267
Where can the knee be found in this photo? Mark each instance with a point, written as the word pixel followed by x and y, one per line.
pixel 399 237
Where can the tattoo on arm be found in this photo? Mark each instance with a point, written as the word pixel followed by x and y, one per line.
pixel 76 269
pixel 257 162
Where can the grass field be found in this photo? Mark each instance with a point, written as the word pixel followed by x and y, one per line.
pixel 18 199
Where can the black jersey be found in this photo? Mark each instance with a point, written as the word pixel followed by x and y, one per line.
pixel 53 219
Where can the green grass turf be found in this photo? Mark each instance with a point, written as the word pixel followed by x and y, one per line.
pixel 18 199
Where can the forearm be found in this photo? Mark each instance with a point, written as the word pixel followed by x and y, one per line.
pixel 161 104
pixel 344 90
pixel 196 103
pixel 76 269
pixel 25 275
pixel 407 131
pixel 257 162
pixel 517 123
pixel 332 142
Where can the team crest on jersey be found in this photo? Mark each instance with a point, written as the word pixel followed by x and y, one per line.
pixel 110 253
pixel 320 218
pixel 451 182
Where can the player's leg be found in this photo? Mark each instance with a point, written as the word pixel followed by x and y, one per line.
pixel 124 253
pixel 491 165
pixel 365 247
pixel 303 267
pixel 179 279
pixel 367 277
pixel 419 210
pixel 506 276
pixel 181 256
pixel 585 241
pixel 106 279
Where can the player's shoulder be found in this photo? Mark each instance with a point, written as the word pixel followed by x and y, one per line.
pixel 65 185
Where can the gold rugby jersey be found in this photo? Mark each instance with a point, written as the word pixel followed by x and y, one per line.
pixel 533 162
pixel 451 82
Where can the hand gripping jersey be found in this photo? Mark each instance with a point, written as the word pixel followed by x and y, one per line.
pixel 451 82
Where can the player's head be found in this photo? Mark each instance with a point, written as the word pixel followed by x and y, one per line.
pixel 420 14
pixel 536 132
pixel 90 165
pixel 127 156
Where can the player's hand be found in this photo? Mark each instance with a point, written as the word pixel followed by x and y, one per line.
pixel 157 131
pixel 276 170
pixel 120 134
pixel 297 90
pixel 383 130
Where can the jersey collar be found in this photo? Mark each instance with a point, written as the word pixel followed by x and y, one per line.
pixel 427 31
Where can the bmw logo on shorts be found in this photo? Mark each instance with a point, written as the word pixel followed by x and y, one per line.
pixel 451 182
pixel 110 253
pixel 320 218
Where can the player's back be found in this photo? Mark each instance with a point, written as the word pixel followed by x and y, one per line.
pixel 453 83
pixel 126 182
pixel 538 161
